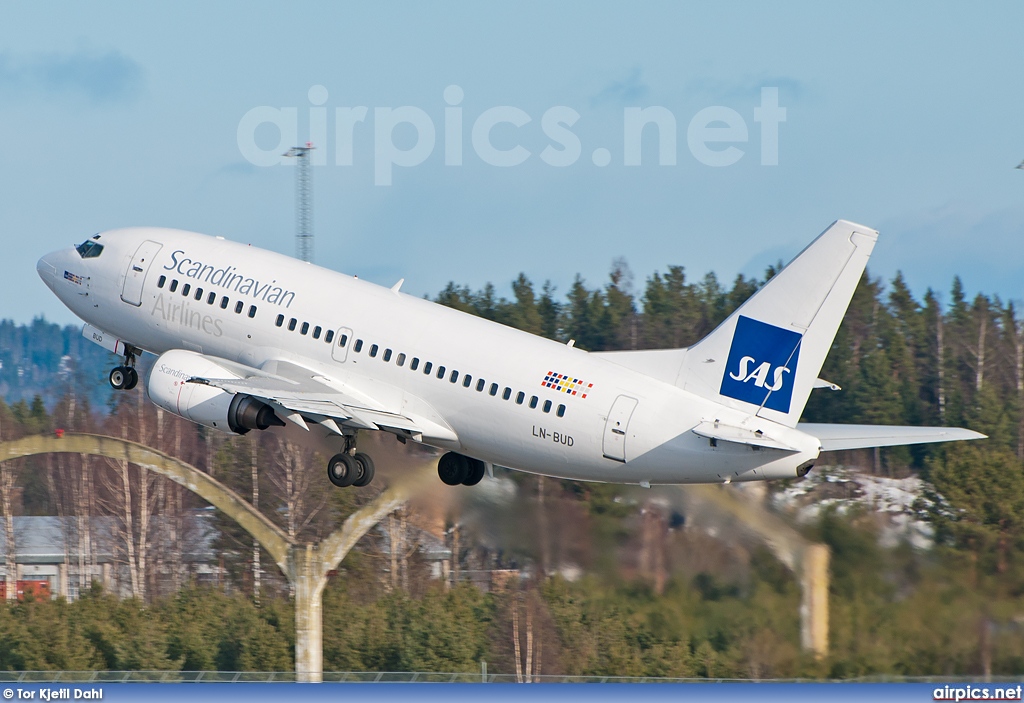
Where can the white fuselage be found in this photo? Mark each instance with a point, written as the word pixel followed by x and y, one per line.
pixel 642 423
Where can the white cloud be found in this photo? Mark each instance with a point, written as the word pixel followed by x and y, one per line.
pixel 101 78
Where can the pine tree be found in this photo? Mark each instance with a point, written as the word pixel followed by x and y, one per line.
pixel 985 488
pixel 582 317
pixel 620 322
pixel 524 314
pixel 550 311
pixel 673 315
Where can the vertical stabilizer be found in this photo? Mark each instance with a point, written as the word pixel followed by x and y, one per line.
pixel 766 356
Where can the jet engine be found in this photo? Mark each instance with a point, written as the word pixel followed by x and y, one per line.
pixel 228 412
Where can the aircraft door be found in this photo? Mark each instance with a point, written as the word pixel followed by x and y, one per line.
pixel 616 427
pixel 135 276
pixel 342 341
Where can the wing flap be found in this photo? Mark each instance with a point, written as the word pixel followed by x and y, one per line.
pixel 840 437
pixel 302 394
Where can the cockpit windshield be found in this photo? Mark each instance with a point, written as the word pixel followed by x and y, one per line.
pixel 89 249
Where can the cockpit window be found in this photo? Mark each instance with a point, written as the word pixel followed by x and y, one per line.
pixel 89 249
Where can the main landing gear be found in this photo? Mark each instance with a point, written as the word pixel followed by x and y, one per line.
pixel 125 377
pixel 350 468
pixel 455 469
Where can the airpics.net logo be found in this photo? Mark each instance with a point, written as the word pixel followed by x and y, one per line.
pixel 716 136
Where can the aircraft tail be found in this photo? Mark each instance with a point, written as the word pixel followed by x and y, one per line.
pixel 767 355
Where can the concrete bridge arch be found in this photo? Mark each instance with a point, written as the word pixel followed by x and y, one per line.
pixel 305 565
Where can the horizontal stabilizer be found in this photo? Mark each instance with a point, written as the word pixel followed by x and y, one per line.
pixel 739 435
pixel 839 437
pixel 822 383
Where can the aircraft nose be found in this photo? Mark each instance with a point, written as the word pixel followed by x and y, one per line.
pixel 46 271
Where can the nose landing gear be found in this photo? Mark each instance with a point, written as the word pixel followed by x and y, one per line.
pixel 125 377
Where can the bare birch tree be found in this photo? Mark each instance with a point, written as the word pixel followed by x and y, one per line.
pixel 7 481
pixel 132 503
pixel 527 655
pixel 176 511
pixel 254 470
pixel 83 518
pixel 298 486
pixel 1018 349
pixel 979 354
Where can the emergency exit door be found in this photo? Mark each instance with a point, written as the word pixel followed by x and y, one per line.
pixel 341 343
pixel 617 427
pixel 135 276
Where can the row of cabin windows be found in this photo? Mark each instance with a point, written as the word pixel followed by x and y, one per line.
pixel 400 359
pixel 197 294
pixel 304 329
pixel 454 376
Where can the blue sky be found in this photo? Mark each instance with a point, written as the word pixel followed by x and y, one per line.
pixel 909 119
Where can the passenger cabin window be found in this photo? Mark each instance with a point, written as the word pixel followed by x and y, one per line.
pixel 440 371
pixel 520 397
pixel 199 293
pixel 238 307
pixel 467 381
pixel 454 377
pixel 89 249
pixel 426 368
pixel 358 346
pixel 561 411
pixel 400 360
pixel 291 324
pixel 547 406
pixel 415 363
pixel 174 285
pixel 305 328
pixel 373 350
pixel 210 299
pixel 185 289
pixel 329 337
pixel 223 300
pixel 387 355
pixel 494 389
pixel 280 320
pixel 507 393
pixel 161 282
pixel 316 332
pixel 252 311
pixel 480 385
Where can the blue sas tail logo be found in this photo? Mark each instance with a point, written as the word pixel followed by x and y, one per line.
pixel 762 363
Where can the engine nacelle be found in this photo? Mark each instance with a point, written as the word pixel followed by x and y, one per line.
pixel 228 412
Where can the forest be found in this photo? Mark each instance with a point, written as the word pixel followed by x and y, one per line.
pixel 540 576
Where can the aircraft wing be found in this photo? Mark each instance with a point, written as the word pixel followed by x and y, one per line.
pixel 301 395
pixel 840 437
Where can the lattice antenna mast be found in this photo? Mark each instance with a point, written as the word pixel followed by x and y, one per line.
pixel 303 202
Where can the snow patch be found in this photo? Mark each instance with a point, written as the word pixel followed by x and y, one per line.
pixel 900 504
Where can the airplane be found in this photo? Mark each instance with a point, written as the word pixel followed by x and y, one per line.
pixel 249 339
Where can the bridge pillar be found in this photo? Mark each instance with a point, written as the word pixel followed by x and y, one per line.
pixel 814 600
pixel 309 624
